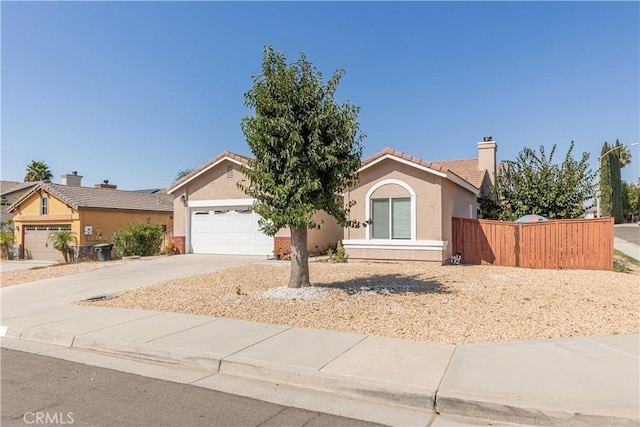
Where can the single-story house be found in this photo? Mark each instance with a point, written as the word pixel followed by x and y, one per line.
pixel 91 213
pixel 410 203
pixel 212 214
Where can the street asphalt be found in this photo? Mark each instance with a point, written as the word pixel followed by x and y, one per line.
pixel 39 388
pixel 572 381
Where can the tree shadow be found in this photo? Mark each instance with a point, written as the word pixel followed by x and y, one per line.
pixel 391 284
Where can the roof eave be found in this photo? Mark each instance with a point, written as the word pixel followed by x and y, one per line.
pixel 200 173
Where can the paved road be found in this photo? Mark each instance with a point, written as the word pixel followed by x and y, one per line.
pixel 630 233
pixel 43 388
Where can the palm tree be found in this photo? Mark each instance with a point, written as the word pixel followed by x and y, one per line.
pixel 61 240
pixel 38 171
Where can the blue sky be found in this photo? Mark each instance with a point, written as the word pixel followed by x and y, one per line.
pixel 134 92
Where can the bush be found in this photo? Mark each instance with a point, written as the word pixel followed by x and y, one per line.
pixel 6 240
pixel 169 249
pixel 138 239
pixel 340 255
pixel 620 266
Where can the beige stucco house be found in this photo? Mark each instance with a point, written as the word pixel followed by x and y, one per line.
pixel 212 214
pixel 91 213
pixel 410 203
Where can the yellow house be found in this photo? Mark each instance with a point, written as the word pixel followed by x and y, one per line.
pixel 92 214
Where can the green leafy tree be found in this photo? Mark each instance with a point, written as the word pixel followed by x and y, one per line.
pixel 182 174
pixel 631 198
pixel 614 158
pixel 38 171
pixel 534 184
pixel 307 151
pixel 138 239
pixel 62 241
pixel 7 238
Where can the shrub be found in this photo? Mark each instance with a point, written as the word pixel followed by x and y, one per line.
pixel 169 249
pixel 620 266
pixel 138 239
pixel 340 255
pixel 6 240
pixel 61 240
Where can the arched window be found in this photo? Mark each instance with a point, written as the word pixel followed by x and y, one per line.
pixel 392 212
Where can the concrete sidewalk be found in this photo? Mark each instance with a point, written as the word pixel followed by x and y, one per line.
pixel 571 381
pixel 628 248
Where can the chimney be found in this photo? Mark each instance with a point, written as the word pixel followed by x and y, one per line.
pixel 72 179
pixel 105 184
pixel 487 150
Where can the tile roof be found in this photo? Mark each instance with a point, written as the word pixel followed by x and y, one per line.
pixel 87 197
pixel 466 169
pixel 8 187
pixel 237 157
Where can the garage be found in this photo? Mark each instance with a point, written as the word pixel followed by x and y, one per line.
pixel 36 242
pixel 228 230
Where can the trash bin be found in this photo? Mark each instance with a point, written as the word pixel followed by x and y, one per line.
pixel 103 251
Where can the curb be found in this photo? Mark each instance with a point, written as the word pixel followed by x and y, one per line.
pixel 520 414
pixel 340 385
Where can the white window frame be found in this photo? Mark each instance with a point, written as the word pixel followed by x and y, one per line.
pixel 391 218
pixel 44 205
pixel 412 195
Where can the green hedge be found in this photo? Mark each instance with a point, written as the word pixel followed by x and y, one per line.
pixel 138 239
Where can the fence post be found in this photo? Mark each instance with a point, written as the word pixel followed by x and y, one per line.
pixel 516 248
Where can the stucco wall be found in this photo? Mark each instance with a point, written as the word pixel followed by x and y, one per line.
pixel 396 254
pixel 456 202
pixel 424 184
pixel 106 222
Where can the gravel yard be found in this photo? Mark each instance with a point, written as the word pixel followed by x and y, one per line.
pixel 447 304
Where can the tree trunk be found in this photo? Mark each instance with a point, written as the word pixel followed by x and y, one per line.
pixel 299 258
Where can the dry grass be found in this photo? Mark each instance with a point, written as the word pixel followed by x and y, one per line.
pixel 448 304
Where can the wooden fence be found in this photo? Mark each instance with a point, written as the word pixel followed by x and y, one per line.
pixel 579 244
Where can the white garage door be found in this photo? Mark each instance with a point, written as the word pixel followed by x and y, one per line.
pixel 229 230
pixel 36 242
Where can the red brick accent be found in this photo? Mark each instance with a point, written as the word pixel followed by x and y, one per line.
pixel 282 243
pixel 178 241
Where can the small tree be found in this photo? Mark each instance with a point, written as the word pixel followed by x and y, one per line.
pixel 38 171
pixel 533 184
pixel 138 239
pixel 61 241
pixel 631 198
pixel 7 238
pixel 307 152
pixel 614 158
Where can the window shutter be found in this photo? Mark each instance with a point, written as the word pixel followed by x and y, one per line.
pixel 401 218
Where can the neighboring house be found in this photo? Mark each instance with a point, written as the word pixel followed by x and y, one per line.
pixel 91 213
pixel 410 203
pixel 212 214
pixel 12 191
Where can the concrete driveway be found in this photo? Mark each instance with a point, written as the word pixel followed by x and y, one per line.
pixel 44 294
pixel 23 264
